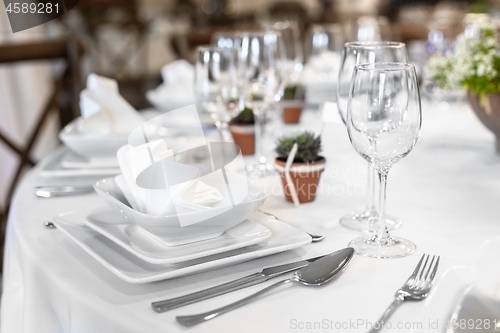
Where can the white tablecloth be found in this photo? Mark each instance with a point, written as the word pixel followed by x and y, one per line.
pixel 446 192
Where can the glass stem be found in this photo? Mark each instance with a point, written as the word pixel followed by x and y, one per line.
pixel 383 237
pixel 372 178
pixel 223 131
pixel 259 134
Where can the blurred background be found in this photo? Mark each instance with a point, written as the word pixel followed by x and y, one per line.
pixel 43 69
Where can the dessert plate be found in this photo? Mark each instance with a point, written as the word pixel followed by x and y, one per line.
pixel 132 269
pixel 142 244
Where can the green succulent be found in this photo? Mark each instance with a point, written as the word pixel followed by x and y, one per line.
pixel 308 150
pixel 245 117
pixel 293 92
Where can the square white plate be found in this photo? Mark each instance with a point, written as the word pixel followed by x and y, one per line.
pixel 443 299
pixel 52 167
pixel 71 160
pixel 134 270
pixel 142 244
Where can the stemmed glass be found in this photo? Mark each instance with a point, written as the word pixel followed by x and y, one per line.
pixel 383 123
pixel 261 53
pixel 292 59
pixel 324 42
pixel 215 84
pixel 355 53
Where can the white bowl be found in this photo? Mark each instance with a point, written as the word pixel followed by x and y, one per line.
pixel 168 229
pixel 91 144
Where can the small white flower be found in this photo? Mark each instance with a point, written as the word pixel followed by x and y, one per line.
pixel 473 58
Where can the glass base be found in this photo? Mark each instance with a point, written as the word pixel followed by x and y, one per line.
pixel 260 169
pixel 368 221
pixel 392 248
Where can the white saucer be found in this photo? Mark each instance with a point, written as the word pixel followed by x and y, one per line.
pixel 141 243
pixel 130 268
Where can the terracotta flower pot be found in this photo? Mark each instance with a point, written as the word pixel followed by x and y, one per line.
pixel 305 178
pixel 487 109
pixel 292 111
pixel 244 137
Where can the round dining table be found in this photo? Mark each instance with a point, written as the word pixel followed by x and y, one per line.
pixel 446 192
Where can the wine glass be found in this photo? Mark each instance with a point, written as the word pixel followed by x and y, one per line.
pixel 384 117
pixel 261 54
pixel 324 41
pixel 292 59
pixel 370 28
pixel 215 84
pixel 355 53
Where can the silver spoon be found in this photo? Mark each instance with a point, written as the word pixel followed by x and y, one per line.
pixel 315 238
pixel 49 225
pixel 315 274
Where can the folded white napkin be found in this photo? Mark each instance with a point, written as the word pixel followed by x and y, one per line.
pixel 177 88
pixel 162 175
pixel 104 110
pixel 144 169
pixel 209 191
pixel 144 197
pixel 206 195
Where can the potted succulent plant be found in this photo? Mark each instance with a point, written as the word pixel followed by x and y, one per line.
pixel 306 168
pixel 292 103
pixel 243 131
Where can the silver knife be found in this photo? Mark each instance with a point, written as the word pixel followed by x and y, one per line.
pixel 61 191
pixel 247 281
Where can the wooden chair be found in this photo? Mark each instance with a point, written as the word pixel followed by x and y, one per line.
pixel 128 62
pixel 65 98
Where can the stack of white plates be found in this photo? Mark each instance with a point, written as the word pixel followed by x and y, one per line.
pixel 84 154
pixel 139 248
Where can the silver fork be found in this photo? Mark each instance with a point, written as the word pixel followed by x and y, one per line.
pixel 416 288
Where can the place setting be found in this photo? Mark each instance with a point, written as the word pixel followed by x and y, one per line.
pixel 171 211
pixel 91 140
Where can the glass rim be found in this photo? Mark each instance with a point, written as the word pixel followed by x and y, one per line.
pixel 326 26
pixel 374 44
pixel 256 33
pixel 214 48
pixel 385 66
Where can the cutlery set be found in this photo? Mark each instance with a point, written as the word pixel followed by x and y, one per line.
pixel 310 272
pixel 247 281
pixel 315 274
